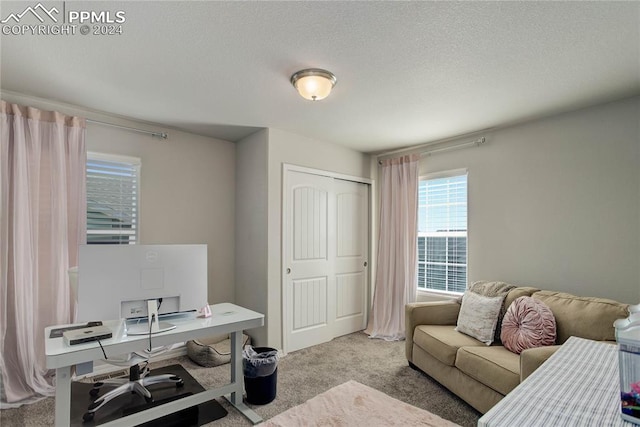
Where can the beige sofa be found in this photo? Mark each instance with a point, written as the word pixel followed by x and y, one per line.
pixel 482 375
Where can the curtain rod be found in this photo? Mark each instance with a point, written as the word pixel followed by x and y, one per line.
pixel 478 142
pixel 161 135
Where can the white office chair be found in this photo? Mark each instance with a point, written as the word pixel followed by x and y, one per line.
pixel 138 380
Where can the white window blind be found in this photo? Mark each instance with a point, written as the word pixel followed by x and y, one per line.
pixel 442 233
pixel 112 199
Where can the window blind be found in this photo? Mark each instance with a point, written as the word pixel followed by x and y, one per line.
pixel 442 234
pixel 112 200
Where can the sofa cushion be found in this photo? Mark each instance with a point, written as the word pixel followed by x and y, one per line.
pixel 516 293
pixel 584 317
pixel 442 342
pixel 479 316
pixel 495 366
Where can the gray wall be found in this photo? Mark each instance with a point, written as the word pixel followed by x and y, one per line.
pixel 286 147
pixel 251 289
pixel 555 203
pixel 187 187
pixel 259 160
pixel 187 195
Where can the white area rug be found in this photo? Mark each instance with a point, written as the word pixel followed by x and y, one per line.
pixel 353 404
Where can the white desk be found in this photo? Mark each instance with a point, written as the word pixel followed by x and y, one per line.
pixel 226 318
pixel 578 386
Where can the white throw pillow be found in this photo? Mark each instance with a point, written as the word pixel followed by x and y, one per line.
pixel 478 316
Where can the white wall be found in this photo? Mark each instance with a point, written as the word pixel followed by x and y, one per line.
pixel 187 187
pixel 555 203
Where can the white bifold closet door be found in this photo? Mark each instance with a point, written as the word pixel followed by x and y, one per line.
pixel 326 223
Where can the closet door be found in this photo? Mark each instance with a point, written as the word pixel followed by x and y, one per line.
pixel 309 282
pixel 352 249
pixel 325 225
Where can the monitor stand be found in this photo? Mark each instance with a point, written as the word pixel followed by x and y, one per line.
pixel 153 325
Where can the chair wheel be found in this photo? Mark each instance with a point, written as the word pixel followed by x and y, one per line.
pixel 148 399
pixel 180 384
pixel 95 404
pixel 94 392
pixel 88 416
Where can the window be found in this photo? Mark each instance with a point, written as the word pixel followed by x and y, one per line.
pixel 112 199
pixel 442 233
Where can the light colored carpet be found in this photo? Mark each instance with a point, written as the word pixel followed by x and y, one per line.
pixel 355 405
pixel 306 373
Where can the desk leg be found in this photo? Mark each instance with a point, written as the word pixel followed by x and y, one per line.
pixel 63 396
pixel 237 379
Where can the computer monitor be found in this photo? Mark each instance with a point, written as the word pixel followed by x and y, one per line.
pixel 141 281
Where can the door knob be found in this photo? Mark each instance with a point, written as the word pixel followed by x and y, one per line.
pixel 288 271
pixel 365 263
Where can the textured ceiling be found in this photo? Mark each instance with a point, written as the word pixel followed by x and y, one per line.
pixel 408 72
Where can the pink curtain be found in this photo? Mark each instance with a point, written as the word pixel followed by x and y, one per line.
pixel 396 269
pixel 43 217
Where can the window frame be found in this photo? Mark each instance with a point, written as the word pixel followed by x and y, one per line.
pixel 438 175
pixel 135 162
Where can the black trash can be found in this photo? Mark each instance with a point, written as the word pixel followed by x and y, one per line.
pixel 260 367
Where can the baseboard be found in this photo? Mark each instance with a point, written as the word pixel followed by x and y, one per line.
pixel 102 368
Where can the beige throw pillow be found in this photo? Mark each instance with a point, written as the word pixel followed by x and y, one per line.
pixel 479 316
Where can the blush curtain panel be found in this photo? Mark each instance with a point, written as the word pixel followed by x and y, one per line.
pixel 396 271
pixel 43 217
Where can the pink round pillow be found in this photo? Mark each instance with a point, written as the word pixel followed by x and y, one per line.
pixel 528 323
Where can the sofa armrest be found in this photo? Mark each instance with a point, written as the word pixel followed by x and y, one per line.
pixel 427 313
pixel 532 358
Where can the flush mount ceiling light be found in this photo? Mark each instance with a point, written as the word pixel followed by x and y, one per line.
pixel 313 84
